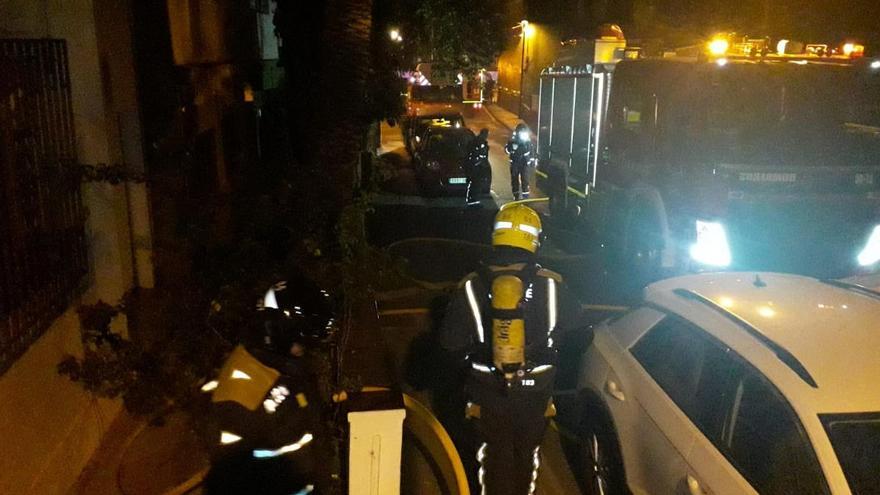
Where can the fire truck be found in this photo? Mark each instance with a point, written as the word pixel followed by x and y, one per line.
pixel 732 154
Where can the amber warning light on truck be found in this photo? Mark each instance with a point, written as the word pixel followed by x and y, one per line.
pixel 726 45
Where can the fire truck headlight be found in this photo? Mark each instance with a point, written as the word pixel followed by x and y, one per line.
pixel 875 64
pixel 711 247
pixel 871 252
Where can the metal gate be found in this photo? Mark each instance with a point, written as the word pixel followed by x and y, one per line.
pixel 43 253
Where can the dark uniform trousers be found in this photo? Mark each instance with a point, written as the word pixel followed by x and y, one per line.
pixel 519 178
pixel 511 425
pixel 520 153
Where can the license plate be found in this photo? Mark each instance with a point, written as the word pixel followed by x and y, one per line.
pixel 458 180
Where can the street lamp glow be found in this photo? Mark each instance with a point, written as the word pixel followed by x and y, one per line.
pixel 528 29
pixel 395 36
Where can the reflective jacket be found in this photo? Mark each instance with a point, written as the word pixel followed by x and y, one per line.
pixel 518 150
pixel 478 151
pixel 550 312
pixel 263 403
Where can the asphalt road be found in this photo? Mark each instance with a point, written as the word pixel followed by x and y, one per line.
pixel 401 214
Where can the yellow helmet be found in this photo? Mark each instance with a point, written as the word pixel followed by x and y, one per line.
pixel 517 226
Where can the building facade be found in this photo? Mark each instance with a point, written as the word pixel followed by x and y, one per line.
pixel 70 100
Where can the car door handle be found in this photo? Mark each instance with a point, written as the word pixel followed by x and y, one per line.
pixel 694 487
pixel 614 390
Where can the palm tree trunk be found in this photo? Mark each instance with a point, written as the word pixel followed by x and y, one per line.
pixel 341 118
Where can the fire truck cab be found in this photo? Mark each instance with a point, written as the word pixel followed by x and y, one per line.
pixel 725 155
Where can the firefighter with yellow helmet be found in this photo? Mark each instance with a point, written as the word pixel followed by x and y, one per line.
pixel 508 318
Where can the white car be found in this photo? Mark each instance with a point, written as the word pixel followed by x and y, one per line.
pixel 736 383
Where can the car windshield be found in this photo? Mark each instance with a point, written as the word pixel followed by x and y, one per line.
pixel 856 441
pixel 792 115
pixel 436 94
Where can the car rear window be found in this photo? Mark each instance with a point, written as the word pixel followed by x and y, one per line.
pixel 856 441
pixel 448 143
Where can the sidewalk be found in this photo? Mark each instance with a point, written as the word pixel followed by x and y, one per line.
pixel 136 458
pixel 503 116
pixel 509 119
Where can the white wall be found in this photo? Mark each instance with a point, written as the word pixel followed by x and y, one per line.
pixel 113 20
pixel 50 426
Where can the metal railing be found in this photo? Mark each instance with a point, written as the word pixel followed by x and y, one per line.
pixel 43 252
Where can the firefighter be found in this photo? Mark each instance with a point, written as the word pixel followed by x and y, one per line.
pixel 506 320
pixel 477 165
pixel 519 149
pixel 266 418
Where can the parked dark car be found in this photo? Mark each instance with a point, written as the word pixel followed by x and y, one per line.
pixel 442 166
pixel 416 126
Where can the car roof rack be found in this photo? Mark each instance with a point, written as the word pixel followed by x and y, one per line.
pixel 783 354
pixel 860 289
